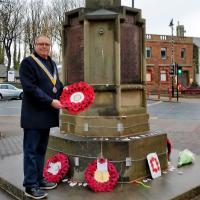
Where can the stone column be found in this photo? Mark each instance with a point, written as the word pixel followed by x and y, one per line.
pixel 102 3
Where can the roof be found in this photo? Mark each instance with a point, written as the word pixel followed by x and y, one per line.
pixel 3 72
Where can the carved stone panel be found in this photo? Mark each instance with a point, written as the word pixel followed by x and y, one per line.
pixel 75 53
pixel 101 52
pixel 130 52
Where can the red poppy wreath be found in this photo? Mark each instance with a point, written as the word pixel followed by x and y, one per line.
pixel 77 97
pixel 101 176
pixel 56 168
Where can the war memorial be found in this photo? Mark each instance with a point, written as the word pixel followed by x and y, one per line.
pixel 103 45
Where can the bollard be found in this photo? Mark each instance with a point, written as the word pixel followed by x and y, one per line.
pixel 148 92
pixel 170 93
pixel 158 93
pixel 179 88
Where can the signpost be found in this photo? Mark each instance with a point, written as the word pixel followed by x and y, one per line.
pixel 11 76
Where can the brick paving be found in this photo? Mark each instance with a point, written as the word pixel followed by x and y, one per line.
pixel 5 196
pixel 11 146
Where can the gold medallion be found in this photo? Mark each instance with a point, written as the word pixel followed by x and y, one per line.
pixel 55 89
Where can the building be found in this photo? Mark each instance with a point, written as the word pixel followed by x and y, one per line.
pixel 159 52
pixel 3 74
pixel 196 41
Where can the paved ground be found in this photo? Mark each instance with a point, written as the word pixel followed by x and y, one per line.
pixel 10 146
pixel 5 196
pixel 169 186
pixel 183 131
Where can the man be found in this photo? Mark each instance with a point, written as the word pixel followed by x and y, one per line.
pixel 40 111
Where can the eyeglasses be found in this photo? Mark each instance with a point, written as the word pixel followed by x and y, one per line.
pixel 43 44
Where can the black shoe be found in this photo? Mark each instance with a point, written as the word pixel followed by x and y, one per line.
pixel 47 185
pixel 35 193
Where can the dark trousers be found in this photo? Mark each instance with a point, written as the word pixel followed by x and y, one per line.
pixel 34 146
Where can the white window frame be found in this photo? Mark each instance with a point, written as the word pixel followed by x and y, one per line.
pixel 148 52
pixel 163 50
pixel 183 53
pixel 163 75
pixel 148 76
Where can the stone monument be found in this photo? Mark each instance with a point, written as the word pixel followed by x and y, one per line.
pixel 103 45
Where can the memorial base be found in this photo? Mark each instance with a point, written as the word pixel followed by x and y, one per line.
pixel 127 153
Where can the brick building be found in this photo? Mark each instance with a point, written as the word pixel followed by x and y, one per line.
pixel 196 41
pixel 159 58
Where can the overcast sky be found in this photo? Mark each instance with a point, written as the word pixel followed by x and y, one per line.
pixel 158 14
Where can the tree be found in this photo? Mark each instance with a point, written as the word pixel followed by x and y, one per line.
pixel 11 16
pixel 16 53
pixel 20 21
pixel 59 7
pixel 33 25
pixel 19 54
pixel 1 53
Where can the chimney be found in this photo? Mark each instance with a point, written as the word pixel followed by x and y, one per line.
pixel 180 30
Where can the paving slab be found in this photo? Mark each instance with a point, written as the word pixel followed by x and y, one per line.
pixel 181 183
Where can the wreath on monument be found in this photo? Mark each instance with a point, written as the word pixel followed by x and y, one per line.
pixel 169 148
pixel 77 97
pixel 56 168
pixel 101 175
pixel 154 165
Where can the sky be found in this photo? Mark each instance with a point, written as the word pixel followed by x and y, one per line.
pixel 158 14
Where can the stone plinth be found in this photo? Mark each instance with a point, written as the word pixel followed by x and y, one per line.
pixel 116 149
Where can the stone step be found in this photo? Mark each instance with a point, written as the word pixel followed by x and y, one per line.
pixel 180 184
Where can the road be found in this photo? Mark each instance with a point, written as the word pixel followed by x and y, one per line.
pixel 180 120
pixel 10 108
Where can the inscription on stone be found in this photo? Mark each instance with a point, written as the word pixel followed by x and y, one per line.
pixel 130 52
pixel 75 60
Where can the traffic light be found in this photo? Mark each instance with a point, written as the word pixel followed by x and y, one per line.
pixel 172 69
pixel 179 70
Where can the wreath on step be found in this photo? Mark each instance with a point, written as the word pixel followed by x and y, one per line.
pixel 56 168
pixel 101 175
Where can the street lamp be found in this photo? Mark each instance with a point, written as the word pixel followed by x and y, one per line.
pixel 133 3
pixel 171 24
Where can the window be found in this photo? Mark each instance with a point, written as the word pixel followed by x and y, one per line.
pixel 148 52
pixel 163 37
pixel 11 87
pixel 163 53
pixel 148 36
pixel 183 53
pixel 148 77
pixel 163 76
pixel 4 87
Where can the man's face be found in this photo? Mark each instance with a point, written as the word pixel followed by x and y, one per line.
pixel 42 46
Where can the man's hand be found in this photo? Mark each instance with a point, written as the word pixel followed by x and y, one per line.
pixel 56 104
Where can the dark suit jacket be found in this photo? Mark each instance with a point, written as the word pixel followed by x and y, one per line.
pixel 36 111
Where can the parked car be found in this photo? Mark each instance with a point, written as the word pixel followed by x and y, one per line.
pixel 8 91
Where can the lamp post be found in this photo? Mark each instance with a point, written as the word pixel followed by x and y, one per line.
pixel 133 3
pixel 172 54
